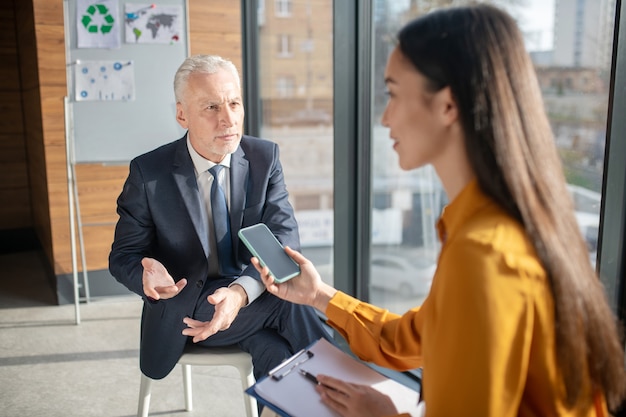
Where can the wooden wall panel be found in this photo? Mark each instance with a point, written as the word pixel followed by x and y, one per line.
pixel 48 12
pixel 15 210
pixel 51 53
pixel 215 28
pixel 99 187
pixel 17 214
pixel 9 74
pixel 14 175
pixel 42 66
pixel 11 110
pixel 8 41
pixel 53 120
pixel 12 152
pixel 98 239
pixel 27 45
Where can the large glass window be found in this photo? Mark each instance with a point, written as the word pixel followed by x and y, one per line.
pixel 296 97
pixel 570 42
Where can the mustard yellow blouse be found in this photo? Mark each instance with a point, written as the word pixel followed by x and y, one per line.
pixel 484 335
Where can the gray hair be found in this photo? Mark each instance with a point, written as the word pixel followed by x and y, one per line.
pixel 205 64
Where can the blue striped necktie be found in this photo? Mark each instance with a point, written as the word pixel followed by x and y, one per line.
pixel 221 223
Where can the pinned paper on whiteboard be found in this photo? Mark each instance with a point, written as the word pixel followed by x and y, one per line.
pixel 97 24
pixel 151 23
pixel 104 81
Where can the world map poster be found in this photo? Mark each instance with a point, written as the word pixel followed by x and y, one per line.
pixel 151 23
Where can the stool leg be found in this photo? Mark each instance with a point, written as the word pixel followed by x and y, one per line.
pixel 247 380
pixel 187 385
pixel 145 393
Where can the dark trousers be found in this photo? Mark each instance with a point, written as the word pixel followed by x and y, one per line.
pixel 270 329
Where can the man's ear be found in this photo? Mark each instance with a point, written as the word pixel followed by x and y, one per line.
pixel 448 108
pixel 180 116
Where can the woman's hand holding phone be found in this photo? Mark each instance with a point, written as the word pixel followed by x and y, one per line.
pixel 306 288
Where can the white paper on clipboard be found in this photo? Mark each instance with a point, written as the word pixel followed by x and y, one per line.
pixel 296 396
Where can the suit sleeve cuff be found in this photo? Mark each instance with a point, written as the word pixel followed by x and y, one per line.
pixel 251 286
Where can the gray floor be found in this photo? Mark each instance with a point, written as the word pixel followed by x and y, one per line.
pixel 51 367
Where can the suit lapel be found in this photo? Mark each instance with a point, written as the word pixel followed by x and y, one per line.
pixel 185 178
pixel 239 166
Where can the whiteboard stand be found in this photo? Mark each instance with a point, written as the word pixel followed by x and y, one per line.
pixel 74 212
pixel 81 237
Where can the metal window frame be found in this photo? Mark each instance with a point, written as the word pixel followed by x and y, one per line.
pixel 611 250
pixel 352 154
pixel 250 63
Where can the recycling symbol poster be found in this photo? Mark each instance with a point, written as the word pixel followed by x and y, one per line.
pixel 97 24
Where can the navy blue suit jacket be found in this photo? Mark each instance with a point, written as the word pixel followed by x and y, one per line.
pixel 162 216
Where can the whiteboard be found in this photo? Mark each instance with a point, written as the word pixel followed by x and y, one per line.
pixel 116 131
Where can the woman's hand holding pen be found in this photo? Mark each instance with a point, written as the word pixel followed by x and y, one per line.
pixel 353 400
pixel 307 288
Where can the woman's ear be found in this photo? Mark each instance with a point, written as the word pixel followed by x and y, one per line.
pixel 447 107
pixel 180 116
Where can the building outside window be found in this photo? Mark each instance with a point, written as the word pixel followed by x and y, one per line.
pixel 296 97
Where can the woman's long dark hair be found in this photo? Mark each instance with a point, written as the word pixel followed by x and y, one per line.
pixel 479 53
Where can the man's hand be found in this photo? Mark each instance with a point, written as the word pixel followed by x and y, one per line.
pixel 227 301
pixel 157 282
pixel 354 400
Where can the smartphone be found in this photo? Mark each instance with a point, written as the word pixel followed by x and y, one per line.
pixel 262 243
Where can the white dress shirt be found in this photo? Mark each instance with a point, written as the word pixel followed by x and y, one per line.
pixel 251 286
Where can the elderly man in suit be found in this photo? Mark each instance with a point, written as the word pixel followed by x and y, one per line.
pixel 173 249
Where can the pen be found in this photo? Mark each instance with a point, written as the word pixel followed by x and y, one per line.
pixel 313 379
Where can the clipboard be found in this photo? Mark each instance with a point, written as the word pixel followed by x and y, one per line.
pixel 286 391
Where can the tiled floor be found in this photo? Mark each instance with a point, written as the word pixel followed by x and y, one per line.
pixel 51 367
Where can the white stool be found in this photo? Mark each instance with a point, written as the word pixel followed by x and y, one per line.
pixel 203 356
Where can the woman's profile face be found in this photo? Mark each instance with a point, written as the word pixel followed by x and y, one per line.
pixel 414 115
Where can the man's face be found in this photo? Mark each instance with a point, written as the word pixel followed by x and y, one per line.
pixel 212 111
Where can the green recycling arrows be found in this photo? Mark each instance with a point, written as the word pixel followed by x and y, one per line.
pixel 88 19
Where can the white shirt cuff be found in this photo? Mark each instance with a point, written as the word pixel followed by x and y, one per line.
pixel 251 286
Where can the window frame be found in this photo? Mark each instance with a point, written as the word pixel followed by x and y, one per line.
pixel 611 251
